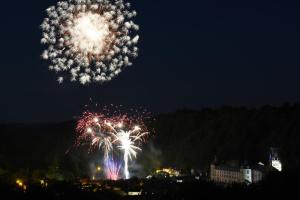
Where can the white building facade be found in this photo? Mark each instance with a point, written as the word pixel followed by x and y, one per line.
pixel 230 175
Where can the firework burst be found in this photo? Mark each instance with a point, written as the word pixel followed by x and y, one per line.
pixel 128 138
pixel 90 40
pixel 113 129
pixel 93 129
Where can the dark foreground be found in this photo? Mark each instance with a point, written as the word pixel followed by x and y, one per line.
pixel 272 186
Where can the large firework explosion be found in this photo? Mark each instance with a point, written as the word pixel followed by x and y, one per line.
pixel 91 40
pixel 107 130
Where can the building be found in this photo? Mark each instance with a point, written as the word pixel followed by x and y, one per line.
pixel 165 173
pixel 275 160
pixel 234 173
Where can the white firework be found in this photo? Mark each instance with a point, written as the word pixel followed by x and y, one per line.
pixel 89 40
pixel 127 140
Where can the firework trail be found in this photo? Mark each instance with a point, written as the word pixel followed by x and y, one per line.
pixel 112 169
pixel 91 40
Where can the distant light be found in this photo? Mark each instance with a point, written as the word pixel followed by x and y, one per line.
pixel 277 165
pixel 98 168
pixel 260 163
pixel 179 181
pixel 149 177
pixel 134 193
pixel 19 182
pixel 89 130
pixel 120 125
pixel 108 123
pixel 171 172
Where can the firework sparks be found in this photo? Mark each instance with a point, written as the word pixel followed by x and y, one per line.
pixel 92 127
pixel 106 131
pixel 112 169
pixel 128 139
pixel 91 40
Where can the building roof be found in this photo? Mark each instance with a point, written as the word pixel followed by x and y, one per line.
pixel 236 167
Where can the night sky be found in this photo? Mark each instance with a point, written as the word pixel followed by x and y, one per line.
pixel 193 54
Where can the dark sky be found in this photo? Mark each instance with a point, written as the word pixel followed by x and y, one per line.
pixel 193 53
